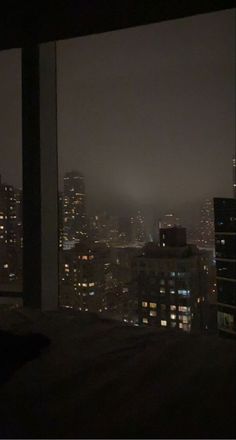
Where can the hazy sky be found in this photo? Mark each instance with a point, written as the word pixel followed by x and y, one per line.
pixel 147 114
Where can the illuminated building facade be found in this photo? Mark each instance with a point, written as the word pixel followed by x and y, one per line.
pixel 139 228
pixel 104 228
pixel 206 229
pixel 225 246
pixel 74 207
pixel 11 233
pixel 172 285
pixel 85 268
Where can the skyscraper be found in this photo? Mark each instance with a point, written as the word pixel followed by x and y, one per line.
pixel 172 282
pixel 206 229
pixel 74 207
pixel 225 244
pixel 140 235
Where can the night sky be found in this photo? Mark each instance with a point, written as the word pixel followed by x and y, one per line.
pixel 147 114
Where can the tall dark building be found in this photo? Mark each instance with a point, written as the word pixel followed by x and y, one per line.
pixel 225 245
pixel 173 237
pixel 74 209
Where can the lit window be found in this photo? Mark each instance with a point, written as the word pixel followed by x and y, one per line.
pixel 145 321
pixel 153 313
pixel 153 306
pixel 91 284
pixel 222 241
pixel 172 274
pixel 172 291
pixel 84 284
pixel 183 308
pixel 162 290
pixel 91 293
pixel 173 324
pixel 172 316
pixel 225 320
pixel 144 304
pixel 5 266
pixel 163 323
pixel 186 319
pixel 184 292
pixel 172 307
pixel 180 325
pixel 84 257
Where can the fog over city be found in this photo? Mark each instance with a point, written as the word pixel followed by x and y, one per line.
pixel 144 113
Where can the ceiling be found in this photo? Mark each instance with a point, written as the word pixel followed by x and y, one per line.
pixel 25 23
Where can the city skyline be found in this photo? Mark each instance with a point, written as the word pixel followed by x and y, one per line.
pixel 146 134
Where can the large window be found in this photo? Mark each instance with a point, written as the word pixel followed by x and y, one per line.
pixel 146 138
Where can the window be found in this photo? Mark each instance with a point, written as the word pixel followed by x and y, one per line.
pixel 145 321
pixel 163 307
pixel 184 309
pixel 172 307
pixel 184 292
pixel 225 320
pixel 153 313
pixel 186 319
pixel 153 305
pixel 106 194
pixel 163 323
pixel 172 316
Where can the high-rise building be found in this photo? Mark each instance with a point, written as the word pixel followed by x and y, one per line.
pixel 11 233
pixel 104 228
pixel 139 229
pixel 74 208
pixel 172 283
pixel 206 228
pixel 125 230
pixel 225 247
pixel 173 237
pixel 84 268
pixel 234 177
pixel 169 220
pixel 60 219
